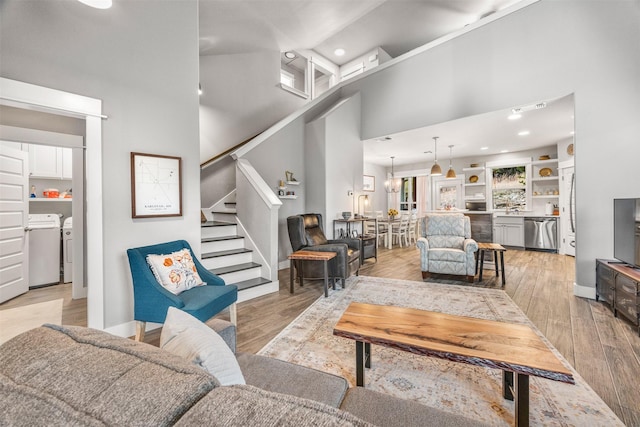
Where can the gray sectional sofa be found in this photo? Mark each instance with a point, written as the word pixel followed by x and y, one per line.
pixel 74 376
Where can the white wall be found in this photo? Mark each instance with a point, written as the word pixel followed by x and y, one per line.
pixel 543 51
pixel 240 98
pixel 284 152
pixel 333 161
pixel 344 162
pixel 377 199
pixel 141 59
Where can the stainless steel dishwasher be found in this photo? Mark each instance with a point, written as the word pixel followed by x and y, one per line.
pixel 541 233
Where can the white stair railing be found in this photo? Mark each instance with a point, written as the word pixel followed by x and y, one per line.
pixel 258 212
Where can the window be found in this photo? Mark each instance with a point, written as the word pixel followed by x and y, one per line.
pixel 509 188
pixel 287 79
pixel 293 73
pixel 408 199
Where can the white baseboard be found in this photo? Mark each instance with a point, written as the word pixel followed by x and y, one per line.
pixel 283 265
pixel 584 291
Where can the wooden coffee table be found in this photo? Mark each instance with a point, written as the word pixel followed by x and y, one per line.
pixel 311 256
pixel 513 348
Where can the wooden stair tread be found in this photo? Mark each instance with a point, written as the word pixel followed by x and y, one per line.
pixel 216 224
pixel 220 238
pixel 234 268
pixel 225 253
pixel 251 283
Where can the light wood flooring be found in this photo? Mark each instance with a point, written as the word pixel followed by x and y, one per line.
pixel 604 350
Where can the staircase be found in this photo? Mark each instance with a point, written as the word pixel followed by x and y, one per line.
pixel 224 253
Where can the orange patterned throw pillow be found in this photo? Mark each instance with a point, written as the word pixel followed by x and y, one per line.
pixel 176 272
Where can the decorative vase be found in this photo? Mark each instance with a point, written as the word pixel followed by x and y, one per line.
pixel 392 217
pixel 346 215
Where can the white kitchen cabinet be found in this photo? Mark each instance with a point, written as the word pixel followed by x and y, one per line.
pixel 508 231
pixel 12 145
pixel 49 162
pixel 67 163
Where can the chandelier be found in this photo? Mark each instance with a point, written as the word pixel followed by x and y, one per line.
pixel 392 185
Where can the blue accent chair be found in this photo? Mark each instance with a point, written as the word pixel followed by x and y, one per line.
pixel 151 300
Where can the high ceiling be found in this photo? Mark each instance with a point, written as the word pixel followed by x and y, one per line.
pixel 357 26
pixel 397 26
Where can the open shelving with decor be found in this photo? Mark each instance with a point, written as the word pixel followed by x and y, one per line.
pixel 544 179
pixel 475 183
pixel 282 190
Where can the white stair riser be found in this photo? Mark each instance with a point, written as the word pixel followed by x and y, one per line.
pixel 229 216
pixel 258 291
pixel 219 231
pixel 222 245
pixel 239 276
pixel 226 260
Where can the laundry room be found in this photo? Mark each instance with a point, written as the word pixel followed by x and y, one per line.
pixel 52 149
pixel 50 215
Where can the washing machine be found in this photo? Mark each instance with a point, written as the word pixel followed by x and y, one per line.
pixel 44 249
pixel 67 249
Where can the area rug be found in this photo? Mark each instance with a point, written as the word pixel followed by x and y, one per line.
pixel 14 321
pixel 472 391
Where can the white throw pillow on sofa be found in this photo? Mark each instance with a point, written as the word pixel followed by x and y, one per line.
pixel 186 336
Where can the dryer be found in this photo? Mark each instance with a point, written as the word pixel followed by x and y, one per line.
pixel 44 249
pixel 67 249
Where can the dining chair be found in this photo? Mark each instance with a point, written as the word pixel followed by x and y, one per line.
pixel 372 226
pixel 411 230
pixel 399 230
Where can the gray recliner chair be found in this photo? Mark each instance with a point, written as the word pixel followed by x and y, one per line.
pixel 306 232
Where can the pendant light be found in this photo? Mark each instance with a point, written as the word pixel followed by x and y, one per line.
pixel 392 185
pixel 450 173
pixel 435 169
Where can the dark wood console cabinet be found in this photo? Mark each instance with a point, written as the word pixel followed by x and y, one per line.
pixel 619 285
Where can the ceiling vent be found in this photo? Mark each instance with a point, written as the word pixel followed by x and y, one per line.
pixel 537 106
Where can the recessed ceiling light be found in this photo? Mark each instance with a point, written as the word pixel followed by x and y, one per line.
pixel 524 133
pixel 484 148
pixel 289 55
pixel 514 116
pixel 339 51
pixel 504 151
pixel 98 4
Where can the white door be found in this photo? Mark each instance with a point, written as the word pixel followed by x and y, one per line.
pixel 568 211
pixel 14 216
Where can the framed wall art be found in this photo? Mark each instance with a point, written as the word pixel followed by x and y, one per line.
pixel 156 186
pixel 368 183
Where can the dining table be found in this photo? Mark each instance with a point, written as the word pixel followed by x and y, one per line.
pixel 388 222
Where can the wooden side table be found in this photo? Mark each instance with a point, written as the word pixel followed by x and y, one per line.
pixel 482 247
pixel 311 256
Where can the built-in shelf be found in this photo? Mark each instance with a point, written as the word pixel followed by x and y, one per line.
pixel 544 162
pixel 545 178
pixel 48 200
pixel 293 182
pixel 477 168
pixel 475 184
pixel 288 197
pixel 546 196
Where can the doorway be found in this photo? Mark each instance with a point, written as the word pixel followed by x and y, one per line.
pixel 26 96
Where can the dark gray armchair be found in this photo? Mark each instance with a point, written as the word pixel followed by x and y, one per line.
pixel 306 232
